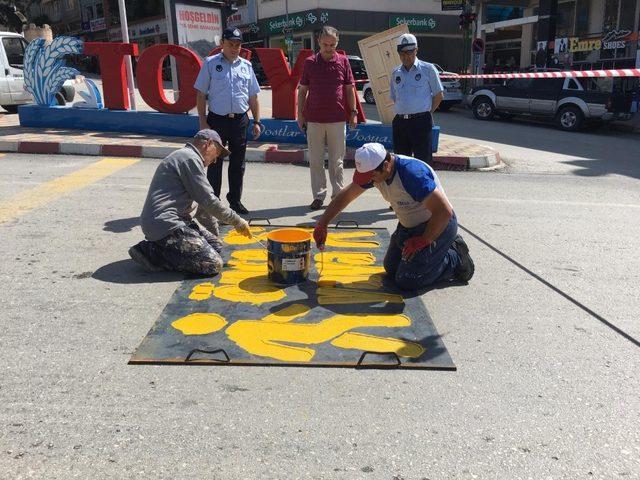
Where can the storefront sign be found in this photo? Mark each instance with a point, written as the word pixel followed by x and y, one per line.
pixel 97 24
pixel 199 28
pixel 246 14
pixel 615 39
pixel 561 45
pixel 297 21
pixel 578 45
pixel 140 30
pixel 416 23
pixel 449 5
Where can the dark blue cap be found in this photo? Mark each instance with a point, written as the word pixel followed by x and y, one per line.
pixel 232 33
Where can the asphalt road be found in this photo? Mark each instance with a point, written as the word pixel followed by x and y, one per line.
pixel 546 336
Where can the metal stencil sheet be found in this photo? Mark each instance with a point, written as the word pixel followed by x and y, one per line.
pixel 347 314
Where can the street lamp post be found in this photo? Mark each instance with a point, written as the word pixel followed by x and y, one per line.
pixel 125 39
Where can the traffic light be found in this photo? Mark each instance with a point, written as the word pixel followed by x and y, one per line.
pixel 466 19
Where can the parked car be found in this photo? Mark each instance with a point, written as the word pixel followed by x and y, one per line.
pixel 12 92
pixel 359 71
pixel 569 102
pixel 452 91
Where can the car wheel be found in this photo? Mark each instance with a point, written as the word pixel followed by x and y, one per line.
pixel 368 96
pixel 483 108
pixel 569 119
pixel 10 108
pixel 444 107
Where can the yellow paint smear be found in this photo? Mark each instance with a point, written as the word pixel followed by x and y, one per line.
pixel 371 343
pixel 277 337
pixel 202 291
pixel 352 239
pixel 47 192
pixel 249 255
pixel 199 323
pixel 235 238
pixel 249 292
pixel 352 269
pixel 344 296
pixel 345 258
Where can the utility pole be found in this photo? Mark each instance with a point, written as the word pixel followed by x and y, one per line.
pixel 467 18
pixel 125 39
pixel 105 12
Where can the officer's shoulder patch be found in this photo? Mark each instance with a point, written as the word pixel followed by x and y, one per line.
pixel 398 79
pixel 418 77
pixel 218 68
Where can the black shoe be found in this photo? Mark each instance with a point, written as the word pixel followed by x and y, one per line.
pixel 316 204
pixel 239 208
pixel 466 268
pixel 138 256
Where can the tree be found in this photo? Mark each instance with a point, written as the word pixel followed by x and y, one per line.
pixel 13 13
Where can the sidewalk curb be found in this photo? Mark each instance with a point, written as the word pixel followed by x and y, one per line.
pixel 264 154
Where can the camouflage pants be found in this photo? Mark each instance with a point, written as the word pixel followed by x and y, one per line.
pixel 191 249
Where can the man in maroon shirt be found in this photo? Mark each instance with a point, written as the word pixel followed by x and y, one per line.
pixel 326 79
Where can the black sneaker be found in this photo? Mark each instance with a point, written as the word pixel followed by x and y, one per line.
pixel 138 256
pixel 239 208
pixel 316 204
pixel 466 268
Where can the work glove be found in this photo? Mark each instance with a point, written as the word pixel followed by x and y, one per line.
pixel 320 236
pixel 412 246
pixel 243 229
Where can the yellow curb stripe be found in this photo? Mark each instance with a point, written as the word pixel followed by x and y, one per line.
pixel 44 193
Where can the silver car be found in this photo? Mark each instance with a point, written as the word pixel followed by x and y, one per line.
pixel 452 91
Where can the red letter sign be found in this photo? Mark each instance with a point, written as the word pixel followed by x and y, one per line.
pixel 283 81
pixel 112 71
pixel 150 77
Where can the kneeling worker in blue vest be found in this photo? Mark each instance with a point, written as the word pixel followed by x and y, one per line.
pixel 179 195
pixel 425 249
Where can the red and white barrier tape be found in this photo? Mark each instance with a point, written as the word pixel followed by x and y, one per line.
pixel 625 72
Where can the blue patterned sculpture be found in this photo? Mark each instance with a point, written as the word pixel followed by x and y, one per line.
pixel 45 70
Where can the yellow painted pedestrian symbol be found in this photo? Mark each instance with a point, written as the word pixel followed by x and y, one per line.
pixel 277 336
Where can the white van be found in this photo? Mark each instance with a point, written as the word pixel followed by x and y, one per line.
pixel 12 92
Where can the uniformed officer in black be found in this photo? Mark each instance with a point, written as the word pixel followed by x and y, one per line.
pixel 229 84
pixel 416 90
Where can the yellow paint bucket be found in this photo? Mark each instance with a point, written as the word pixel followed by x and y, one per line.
pixel 288 255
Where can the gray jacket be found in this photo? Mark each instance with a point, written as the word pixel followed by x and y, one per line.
pixel 178 188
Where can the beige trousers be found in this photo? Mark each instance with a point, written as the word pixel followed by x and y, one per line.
pixel 333 135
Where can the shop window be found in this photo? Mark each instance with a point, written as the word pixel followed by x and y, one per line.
pixel 627 14
pixel 565 17
pixel 610 15
pixel 582 19
pixel 500 13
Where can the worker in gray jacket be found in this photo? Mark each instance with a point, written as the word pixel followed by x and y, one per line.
pixel 178 195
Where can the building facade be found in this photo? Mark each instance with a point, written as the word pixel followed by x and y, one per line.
pixel 590 34
pixel 294 24
pixel 63 16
